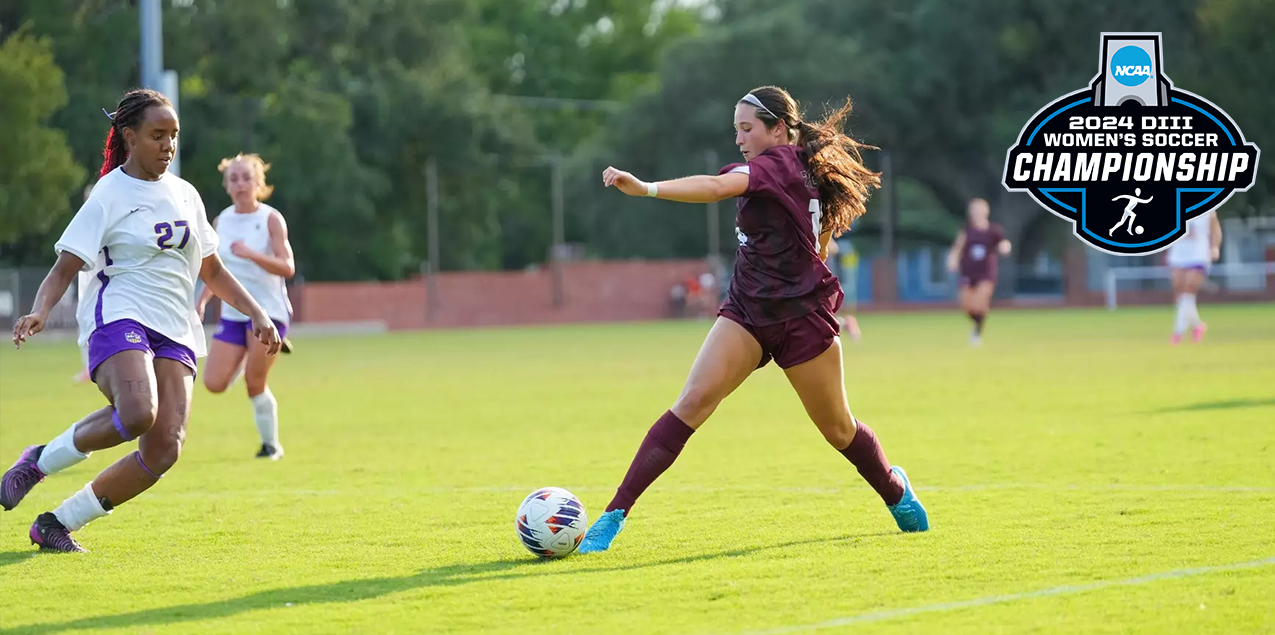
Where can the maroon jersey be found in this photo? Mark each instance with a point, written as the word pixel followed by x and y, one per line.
pixel 978 257
pixel 778 274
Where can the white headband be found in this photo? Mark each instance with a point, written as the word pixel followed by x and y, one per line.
pixel 752 100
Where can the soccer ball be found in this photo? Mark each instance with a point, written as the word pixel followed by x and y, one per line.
pixel 551 522
pixel 1138 229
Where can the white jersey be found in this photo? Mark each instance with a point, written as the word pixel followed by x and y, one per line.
pixel 146 241
pixel 1195 248
pixel 268 289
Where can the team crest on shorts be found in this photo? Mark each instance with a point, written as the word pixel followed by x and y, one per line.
pixel 1129 160
pixel 133 337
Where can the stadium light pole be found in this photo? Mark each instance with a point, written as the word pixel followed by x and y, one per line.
pixel 714 229
pixel 887 223
pixel 559 249
pixel 431 226
pixel 152 44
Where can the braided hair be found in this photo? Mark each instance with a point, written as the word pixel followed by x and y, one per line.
pixel 128 114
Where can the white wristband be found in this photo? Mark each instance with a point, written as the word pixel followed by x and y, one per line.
pixel 651 190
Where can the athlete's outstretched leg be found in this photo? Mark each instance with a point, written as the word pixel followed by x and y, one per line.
pixel 127 380
pixel 727 357
pixel 820 384
pixel 158 449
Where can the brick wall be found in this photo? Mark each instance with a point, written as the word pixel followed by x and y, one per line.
pixel 592 291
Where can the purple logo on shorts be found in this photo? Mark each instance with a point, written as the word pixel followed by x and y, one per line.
pixel 133 337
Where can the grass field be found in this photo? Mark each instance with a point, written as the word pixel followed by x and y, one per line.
pixel 1094 480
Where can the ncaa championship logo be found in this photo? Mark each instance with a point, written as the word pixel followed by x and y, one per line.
pixel 1130 159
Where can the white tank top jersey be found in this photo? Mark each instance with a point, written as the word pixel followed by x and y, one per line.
pixel 1193 249
pixel 268 289
pixel 146 241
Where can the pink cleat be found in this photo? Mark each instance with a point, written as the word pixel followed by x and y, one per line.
pixel 81 377
pixel 1197 333
pixel 1175 339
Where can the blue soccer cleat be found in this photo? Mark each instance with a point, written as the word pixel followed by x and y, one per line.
pixel 908 513
pixel 603 531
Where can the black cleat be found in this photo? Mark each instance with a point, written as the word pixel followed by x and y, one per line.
pixel 50 534
pixel 271 452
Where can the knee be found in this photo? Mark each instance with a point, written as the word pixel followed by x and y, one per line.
pixel 216 385
pixel 695 405
pixel 162 454
pixel 840 433
pixel 136 415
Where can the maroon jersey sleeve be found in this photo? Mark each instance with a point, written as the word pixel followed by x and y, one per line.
pixel 998 234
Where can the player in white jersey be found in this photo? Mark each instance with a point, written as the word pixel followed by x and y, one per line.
pixel 255 247
pixel 83 280
pixel 145 233
pixel 1189 259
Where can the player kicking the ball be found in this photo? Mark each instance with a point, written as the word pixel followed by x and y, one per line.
pixel 801 184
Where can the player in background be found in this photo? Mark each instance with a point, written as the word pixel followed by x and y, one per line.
pixel 845 315
pixel 145 232
pixel 974 256
pixel 83 279
pixel 254 245
pixel 1189 259
pixel 801 184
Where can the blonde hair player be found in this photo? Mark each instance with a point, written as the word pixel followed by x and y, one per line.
pixel 255 247
pixel 974 256
pixel 1189 259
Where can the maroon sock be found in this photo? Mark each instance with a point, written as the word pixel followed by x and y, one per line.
pixel 866 454
pixel 978 321
pixel 663 442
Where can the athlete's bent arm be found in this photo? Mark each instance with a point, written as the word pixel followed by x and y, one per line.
pixel 1004 247
pixel 225 286
pixel 954 256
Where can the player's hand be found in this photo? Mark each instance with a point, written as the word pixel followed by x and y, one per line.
pixel 266 333
pixel 199 310
pixel 623 181
pixel 1215 253
pixel 27 326
pixel 239 249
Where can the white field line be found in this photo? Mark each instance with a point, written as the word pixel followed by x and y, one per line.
pixel 1066 589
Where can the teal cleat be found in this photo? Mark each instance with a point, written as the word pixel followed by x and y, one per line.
pixel 908 512
pixel 603 531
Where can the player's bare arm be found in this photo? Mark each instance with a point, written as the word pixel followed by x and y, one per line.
pixel 690 189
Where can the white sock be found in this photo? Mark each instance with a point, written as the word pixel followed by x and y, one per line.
pixel 1192 313
pixel 1179 322
pixel 80 509
pixel 266 411
pixel 84 357
pixel 60 453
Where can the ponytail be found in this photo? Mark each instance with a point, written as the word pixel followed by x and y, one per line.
pixel 835 165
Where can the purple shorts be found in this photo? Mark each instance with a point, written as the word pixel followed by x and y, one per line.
pixel 131 335
pixel 236 332
pixel 794 341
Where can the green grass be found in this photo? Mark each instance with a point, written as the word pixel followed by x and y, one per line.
pixel 1089 454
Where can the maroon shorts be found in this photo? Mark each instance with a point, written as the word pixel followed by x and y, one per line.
pixel 976 277
pixel 792 342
